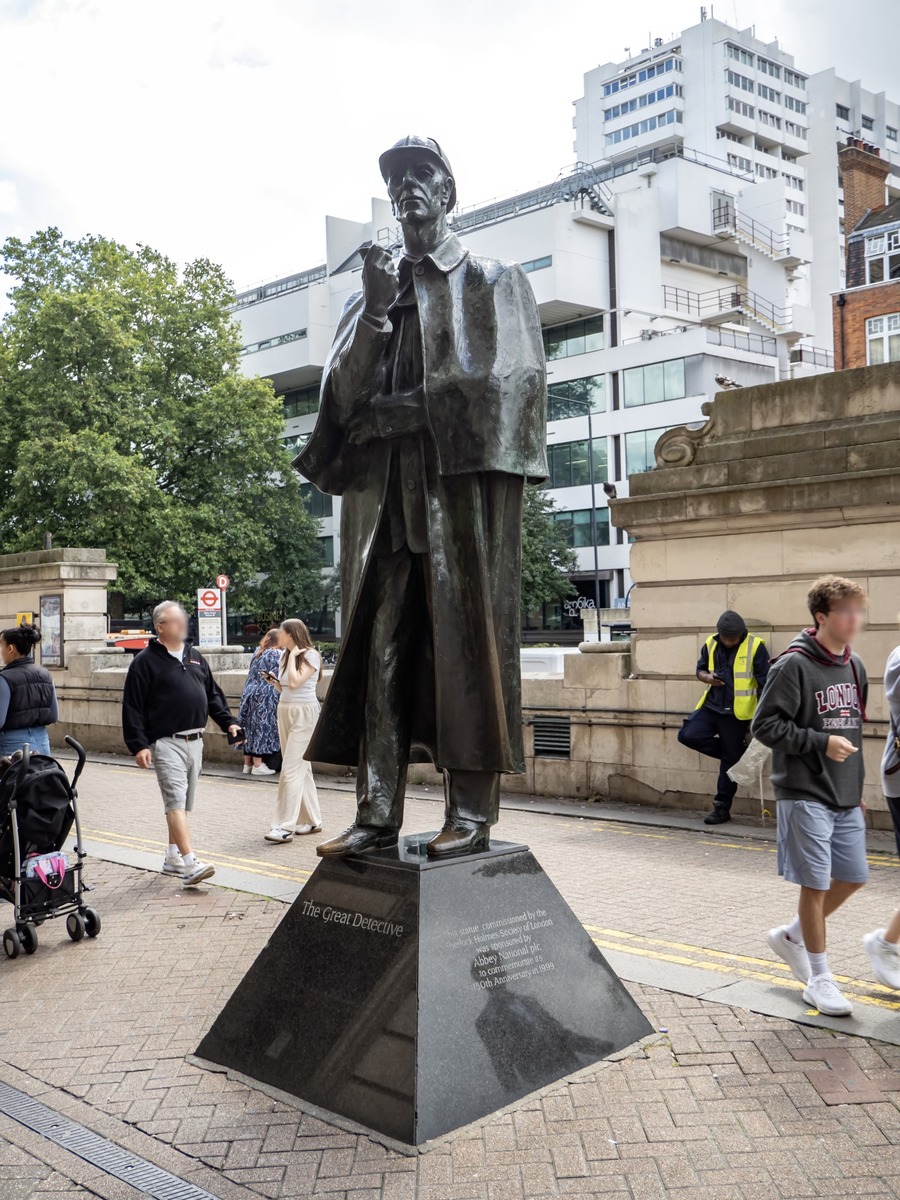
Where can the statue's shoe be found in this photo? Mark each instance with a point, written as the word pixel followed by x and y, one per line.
pixel 357 840
pixel 464 837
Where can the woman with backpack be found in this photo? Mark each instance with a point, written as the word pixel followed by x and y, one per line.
pixel 27 696
pixel 297 808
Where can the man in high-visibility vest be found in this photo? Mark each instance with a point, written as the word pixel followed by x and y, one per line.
pixel 733 664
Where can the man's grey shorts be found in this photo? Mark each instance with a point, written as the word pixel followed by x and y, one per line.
pixel 817 844
pixel 178 766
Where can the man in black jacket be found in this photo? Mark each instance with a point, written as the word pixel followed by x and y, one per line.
pixel 170 693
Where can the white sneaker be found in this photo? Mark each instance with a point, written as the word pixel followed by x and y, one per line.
pixel 277 834
pixel 247 768
pixel 263 770
pixel 307 829
pixel 823 993
pixel 793 953
pixel 197 872
pixel 884 957
pixel 173 864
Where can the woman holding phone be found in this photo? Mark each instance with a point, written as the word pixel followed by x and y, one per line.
pixel 297 807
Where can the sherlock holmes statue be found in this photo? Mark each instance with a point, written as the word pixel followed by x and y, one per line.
pixel 432 418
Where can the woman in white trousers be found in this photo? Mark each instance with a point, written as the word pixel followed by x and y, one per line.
pixel 297 808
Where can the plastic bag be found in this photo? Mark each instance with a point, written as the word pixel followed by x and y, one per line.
pixel 747 770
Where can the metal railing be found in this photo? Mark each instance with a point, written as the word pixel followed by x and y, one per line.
pixel 719 301
pixel 817 356
pixel 735 339
pixel 291 283
pixel 728 220
pixel 583 178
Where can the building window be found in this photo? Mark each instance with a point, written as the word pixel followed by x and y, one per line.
pixel 318 504
pixel 883 257
pixel 795 80
pixel 294 336
pixel 327 546
pixel 621 110
pixel 538 264
pixel 768 93
pixel 793 181
pixel 650 72
pixel 731 137
pixel 798 106
pixel 868 123
pixel 578 337
pixel 795 130
pixel 578 526
pixel 639 447
pixel 738 160
pixel 890 133
pixel 301 402
pixel 765 172
pixel 295 443
pixel 842 112
pixel 768 68
pixel 740 106
pixel 740 81
pixel 572 398
pixel 795 207
pixel 645 126
pixel 788 158
pixel 654 383
pixel 569 466
pixel 768 118
pixel 883 339
pixel 740 55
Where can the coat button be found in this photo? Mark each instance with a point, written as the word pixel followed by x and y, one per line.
pixel 411 484
pixel 388 429
pixel 420 270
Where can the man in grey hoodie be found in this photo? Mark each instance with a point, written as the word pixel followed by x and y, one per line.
pixel 811 714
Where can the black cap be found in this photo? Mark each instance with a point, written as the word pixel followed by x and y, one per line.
pixel 424 147
pixel 731 624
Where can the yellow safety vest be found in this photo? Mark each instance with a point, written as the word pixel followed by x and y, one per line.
pixel 745 689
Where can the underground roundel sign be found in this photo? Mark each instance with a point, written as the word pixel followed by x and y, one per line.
pixel 209 599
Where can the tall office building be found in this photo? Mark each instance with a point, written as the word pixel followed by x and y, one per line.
pixel 675 255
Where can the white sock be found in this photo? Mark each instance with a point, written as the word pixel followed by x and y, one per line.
pixel 190 858
pixel 818 964
pixel 794 932
pixel 174 852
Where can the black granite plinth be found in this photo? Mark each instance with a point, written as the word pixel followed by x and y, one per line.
pixel 414 996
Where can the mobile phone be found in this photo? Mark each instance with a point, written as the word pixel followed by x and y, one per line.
pixel 235 739
pixel 268 675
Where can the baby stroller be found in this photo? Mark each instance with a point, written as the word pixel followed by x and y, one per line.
pixel 38 806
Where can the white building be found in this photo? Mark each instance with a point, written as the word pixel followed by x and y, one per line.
pixel 681 254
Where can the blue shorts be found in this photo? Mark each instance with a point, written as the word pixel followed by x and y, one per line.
pixel 817 844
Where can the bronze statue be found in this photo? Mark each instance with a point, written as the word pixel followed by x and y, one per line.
pixel 432 417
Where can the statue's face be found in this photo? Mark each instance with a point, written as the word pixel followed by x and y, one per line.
pixel 419 188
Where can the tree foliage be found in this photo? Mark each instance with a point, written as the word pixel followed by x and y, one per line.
pixel 547 558
pixel 128 425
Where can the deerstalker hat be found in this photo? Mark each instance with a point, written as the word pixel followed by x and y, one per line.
pixel 427 148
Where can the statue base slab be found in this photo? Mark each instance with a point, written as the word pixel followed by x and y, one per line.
pixel 413 996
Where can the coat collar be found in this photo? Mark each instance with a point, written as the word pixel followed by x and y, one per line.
pixel 448 254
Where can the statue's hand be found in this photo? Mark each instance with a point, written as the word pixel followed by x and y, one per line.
pixel 380 282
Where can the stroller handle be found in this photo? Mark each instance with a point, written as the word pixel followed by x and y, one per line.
pixel 82 757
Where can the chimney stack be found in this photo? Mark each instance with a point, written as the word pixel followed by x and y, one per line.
pixel 863 172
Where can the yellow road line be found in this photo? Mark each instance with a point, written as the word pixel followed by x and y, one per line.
pixel 876 858
pixel 254 866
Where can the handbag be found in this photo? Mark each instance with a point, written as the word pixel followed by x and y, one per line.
pixel 891 763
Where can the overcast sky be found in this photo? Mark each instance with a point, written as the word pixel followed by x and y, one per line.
pixel 228 128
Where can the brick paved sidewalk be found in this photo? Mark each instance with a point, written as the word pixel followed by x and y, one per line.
pixel 719 1107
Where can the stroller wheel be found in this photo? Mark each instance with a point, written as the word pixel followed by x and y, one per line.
pixel 11 943
pixel 91 922
pixel 75 926
pixel 28 938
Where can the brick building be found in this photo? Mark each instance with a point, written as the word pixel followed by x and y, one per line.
pixel 867 312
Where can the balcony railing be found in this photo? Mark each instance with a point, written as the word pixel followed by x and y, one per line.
pixel 816 356
pixel 728 221
pixel 706 306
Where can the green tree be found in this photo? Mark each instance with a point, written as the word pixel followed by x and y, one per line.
pixel 129 425
pixel 547 558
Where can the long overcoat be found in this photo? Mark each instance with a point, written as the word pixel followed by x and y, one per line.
pixel 485 398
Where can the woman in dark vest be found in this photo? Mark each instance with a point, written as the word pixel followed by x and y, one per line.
pixel 27 695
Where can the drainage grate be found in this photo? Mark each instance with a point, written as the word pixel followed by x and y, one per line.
pixel 96 1150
